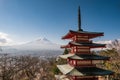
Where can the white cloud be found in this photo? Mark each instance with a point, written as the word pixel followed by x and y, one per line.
pixel 104 42
pixel 4 39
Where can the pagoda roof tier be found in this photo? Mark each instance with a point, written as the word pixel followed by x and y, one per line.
pixel 90 35
pixel 83 71
pixel 83 57
pixel 91 45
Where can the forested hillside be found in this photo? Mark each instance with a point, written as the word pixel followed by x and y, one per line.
pixel 114 62
pixel 25 68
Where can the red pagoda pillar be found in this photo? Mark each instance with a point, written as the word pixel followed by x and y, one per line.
pixel 81 62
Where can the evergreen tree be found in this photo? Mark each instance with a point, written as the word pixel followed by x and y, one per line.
pixel 60 62
pixel 56 70
pixel 66 51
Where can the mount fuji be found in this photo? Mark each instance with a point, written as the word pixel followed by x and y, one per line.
pixel 42 47
pixel 39 44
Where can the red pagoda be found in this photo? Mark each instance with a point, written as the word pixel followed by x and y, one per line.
pixel 80 60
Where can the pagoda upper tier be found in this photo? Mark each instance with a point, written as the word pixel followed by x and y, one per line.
pixel 82 33
pixel 83 44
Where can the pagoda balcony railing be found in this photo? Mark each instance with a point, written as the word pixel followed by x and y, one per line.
pixel 92 65
pixel 82 65
pixel 88 41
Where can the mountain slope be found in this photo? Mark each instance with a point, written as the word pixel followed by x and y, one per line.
pixel 39 44
pixel 41 47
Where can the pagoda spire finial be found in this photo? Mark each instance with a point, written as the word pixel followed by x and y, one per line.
pixel 79 19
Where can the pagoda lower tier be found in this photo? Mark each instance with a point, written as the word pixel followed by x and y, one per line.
pixel 83 66
pixel 83 73
pixel 80 60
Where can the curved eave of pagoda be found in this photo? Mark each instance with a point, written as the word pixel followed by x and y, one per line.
pixel 65 46
pixel 107 59
pixel 88 57
pixel 77 56
pixel 91 45
pixel 83 71
pixel 71 33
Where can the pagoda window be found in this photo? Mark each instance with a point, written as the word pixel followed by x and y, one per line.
pixel 74 38
pixel 74 62
pixel 97 61
pixel 78 49
pixel 82 38
pixel 87 78
pixel 73 49
pixel 70 62
pixel 82 47
pixel 83 51
pixel 84 62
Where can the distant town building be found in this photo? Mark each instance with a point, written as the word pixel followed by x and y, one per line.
pixel 81 62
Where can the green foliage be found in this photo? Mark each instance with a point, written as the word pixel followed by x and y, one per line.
pixel 108 65
pixel 56 70
pixel 109 52
pixel 66 51
pixel 62 61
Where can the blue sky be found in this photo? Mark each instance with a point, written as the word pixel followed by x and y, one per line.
pixel 27 20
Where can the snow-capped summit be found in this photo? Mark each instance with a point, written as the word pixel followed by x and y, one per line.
pixel 39 44
pixel 43 39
